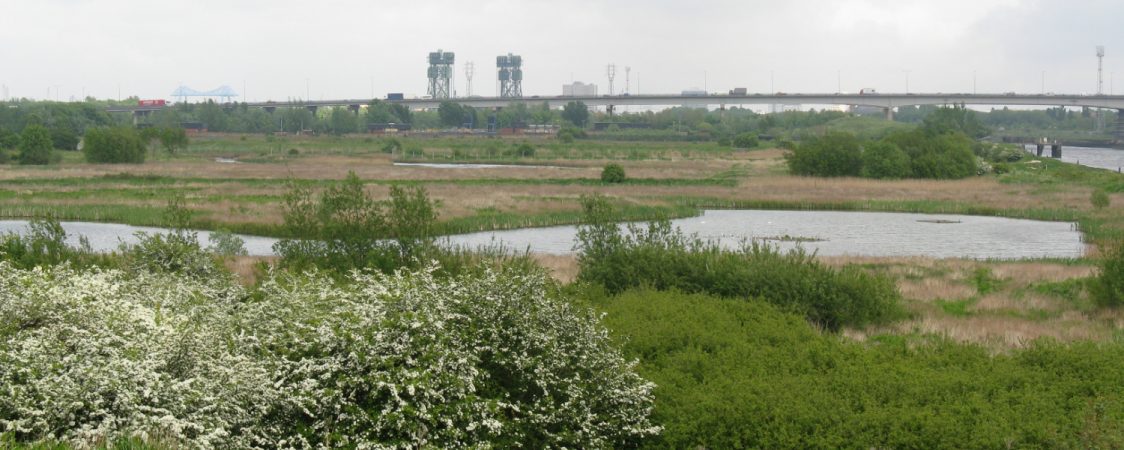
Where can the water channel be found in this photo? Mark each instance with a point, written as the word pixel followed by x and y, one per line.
pixel 1102 158
pixel 829 233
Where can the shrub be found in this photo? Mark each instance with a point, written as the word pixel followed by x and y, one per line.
pixel 44 244
pixel 306 361
pixel 660 257
pixel 835 154
pixel 225 243
pixel 742 374
pixel 344 228
pixel 525 150
pixel 391 145
pixel 612 173
pixel 175 252
pixel 113 145
pixel 1107 288
pixel 885 160
pixel 35 145
pixel 1099 199
pixel 945 156
pixel 745 140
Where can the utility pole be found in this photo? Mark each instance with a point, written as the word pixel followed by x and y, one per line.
pixel 627 79
pixel 974 82
pixel 906 82
pixel 838 81
pixel 469 72
pixel 611 72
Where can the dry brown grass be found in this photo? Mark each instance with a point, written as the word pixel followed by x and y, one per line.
pixel 563 268
pixel 1010 316
pixel 249 268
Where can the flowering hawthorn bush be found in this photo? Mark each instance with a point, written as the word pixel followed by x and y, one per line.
pixel 375 361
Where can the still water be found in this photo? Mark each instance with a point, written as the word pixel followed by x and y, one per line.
pixel 829 233
pixel 106 237
pixel 1103 158
pixel 475 166
pixel 835 233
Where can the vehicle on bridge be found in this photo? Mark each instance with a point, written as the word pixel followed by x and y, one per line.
pixel 159 102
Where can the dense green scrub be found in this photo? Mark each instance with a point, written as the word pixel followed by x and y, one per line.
pixel 742 374
pixel 661 257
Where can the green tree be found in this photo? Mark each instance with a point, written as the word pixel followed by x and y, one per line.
pixel 835 154
pixel 576 112
pixel 885 160
pixel 451 113
pixel 342 121
pixel 113 145
pixel 954 119
pixel 35 145
pixel 172 139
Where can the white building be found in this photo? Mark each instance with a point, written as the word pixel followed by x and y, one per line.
pixel 579 89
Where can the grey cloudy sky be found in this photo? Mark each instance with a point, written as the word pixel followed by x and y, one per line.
pixel 343 47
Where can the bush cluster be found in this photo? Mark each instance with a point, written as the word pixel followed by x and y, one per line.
pixel 306 361
pixel 612 173
pixel 1107 288
pixel 912 154
pixel 745 140
pixel 113 145
pixel 35 145
pixel 343 228
pixel 660 257
pixel 741 374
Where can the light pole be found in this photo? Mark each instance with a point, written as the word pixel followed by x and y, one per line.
pixel 974 92
pixel 307 90
pixel 906 81
pixel 838 81
pixel 1043 82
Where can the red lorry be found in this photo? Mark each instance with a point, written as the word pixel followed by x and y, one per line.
pixel 152 103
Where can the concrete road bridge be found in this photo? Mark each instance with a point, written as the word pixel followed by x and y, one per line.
pixel 887 102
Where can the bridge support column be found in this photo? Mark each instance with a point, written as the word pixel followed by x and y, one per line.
pixel 354 109
pixel 1040 149
pixel 1120 125
pixel 312 109
pixel 1056 151
pixel 889 113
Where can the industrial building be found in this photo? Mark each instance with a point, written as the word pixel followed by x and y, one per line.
pixel 579 89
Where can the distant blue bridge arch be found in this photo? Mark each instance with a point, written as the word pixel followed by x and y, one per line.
pixel 224 92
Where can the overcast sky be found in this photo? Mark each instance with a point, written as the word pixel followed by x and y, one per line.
pixel 344 47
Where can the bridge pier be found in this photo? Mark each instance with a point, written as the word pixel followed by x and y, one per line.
pixel 889 113
pixel 312 109
pixel 354 109
pixel 270 109
pixel 1056 151
pixel 1041 148
pixel 1120 125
